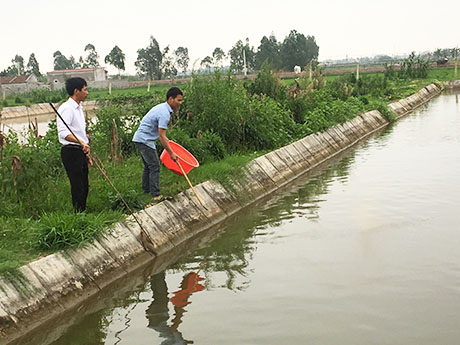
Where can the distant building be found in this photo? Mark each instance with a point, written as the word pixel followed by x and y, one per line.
pixel 297 69
pixel 95 77
pixel 18 84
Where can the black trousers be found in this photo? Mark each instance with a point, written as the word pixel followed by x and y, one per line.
pixel 76 166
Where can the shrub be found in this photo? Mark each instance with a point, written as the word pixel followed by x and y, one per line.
pixel 101 130
pixel 207 146
pixel 266 82
pixel 325 111
pixel 267 125
pixel 39 166
pixel 383 108
pixel 218 104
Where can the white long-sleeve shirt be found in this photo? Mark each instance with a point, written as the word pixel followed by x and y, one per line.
pixel 72 114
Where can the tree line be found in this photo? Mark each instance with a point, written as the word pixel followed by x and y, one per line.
pixel 154 62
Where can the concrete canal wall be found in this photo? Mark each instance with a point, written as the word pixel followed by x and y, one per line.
pixel 45 288
pixel 37 110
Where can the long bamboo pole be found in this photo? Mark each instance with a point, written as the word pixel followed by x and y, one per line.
pixel 190 184
pixel 147 242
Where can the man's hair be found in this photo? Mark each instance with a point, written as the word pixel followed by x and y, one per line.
pixel 173 92
pixel 74 83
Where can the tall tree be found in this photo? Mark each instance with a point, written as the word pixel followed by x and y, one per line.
pixel 10 71
pixel 32 66
pixel 18 61
pixel 17 67
pixel 182 58
pixel 73 63
pixel 438 53
pixel 237 56
pixel 206 63
pixel 116 58
pixel 299 50
pixel 269 50
pixel 454 53
pixel 92 58
pixel 149 60
pixel 61 62
pixel 218 55
pixel 168 65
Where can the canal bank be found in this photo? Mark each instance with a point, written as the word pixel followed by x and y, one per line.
pixel 60 281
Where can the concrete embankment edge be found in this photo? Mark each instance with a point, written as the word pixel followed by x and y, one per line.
pixel 48 286
pixel 37 110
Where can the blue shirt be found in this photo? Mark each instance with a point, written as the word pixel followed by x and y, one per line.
pixel 157 117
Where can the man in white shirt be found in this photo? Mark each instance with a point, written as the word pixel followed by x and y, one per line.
pixel 75 147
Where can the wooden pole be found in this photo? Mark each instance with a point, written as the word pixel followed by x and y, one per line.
pixel 190 184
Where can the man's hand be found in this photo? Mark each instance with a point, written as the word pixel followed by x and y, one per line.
pixel 89 159
pixel 85 147
pixel 173 156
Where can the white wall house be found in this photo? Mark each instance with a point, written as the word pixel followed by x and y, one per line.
pixel 95 77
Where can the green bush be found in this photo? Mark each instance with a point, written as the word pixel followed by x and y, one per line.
pixel 267 83
pixel 383 108
pixel 39 167
pixel 218 104
pixel 102 128
pixel 325 111
pixel 267 125
pixel 208 146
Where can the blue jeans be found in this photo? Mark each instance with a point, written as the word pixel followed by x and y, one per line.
pixel 151 172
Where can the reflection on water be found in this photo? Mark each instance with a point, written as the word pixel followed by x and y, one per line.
pixel 363 251
pixel 158 312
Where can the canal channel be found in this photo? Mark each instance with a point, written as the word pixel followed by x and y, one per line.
pixel 362 250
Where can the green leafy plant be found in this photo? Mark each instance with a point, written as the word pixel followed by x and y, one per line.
pixel 67 230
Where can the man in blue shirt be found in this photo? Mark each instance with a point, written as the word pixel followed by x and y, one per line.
pixel 152 127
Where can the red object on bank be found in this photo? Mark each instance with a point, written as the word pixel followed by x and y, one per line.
pixel 186 159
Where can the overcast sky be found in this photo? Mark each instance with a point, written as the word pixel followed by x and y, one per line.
pixel 354 28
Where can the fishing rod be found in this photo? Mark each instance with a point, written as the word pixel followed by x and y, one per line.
pixel 147 242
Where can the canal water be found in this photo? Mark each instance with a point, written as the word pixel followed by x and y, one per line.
pixel 24 125
pixel 365 250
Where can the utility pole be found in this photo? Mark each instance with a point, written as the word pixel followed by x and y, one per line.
pixel 357 70
pixel 455 62
pixel 245 69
